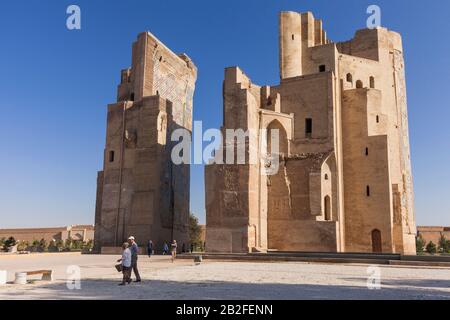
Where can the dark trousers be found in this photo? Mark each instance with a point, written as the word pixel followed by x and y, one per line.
pixel 135 268
pixel 126 271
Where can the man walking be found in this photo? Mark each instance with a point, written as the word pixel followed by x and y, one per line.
pixel 150 248
pixel 134 257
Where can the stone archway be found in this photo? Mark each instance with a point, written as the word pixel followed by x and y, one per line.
pixel 278 187
pixel 283 146
pixel 376 241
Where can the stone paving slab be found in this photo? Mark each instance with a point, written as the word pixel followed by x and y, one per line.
pixel 163 279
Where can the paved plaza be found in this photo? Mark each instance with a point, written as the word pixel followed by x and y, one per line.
pixel 163 279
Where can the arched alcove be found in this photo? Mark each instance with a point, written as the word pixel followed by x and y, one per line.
pixel 359 84
pixel 327 208
pixel 329 205
pixel 349 77
pixel 376 241
pixel 276 134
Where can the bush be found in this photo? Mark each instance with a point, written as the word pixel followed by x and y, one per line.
pixel 59 244
pixel 52 246
pixel 443 244
pixel 42 245
pixel 68 245
pixel 420 244
pixel 10 242
pixel 77 244
pixel 22 245
pixel 34 246
pixel 431 248
pixel 88 245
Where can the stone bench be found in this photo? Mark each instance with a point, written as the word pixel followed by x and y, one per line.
pixel 47 275
pixel 3 276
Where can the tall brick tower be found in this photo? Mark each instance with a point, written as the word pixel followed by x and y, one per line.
pixel 344 182
pixel 140 192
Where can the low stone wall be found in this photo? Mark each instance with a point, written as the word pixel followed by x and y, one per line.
pixel 433 233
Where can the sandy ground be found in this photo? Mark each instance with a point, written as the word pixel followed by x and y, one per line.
pixel 220 280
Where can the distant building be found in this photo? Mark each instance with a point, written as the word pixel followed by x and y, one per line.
pixel 433 233
pixel 75 232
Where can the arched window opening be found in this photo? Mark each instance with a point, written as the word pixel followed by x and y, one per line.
pixel 327 208
pixel 367 151
pixel 132 97
pixel 111 156
pixel 349 77
pixel 326 176
pixel 308 127
pixel 322 68
pixel 368 191
pixel 359 84
pixel 372 82
pixel 293 37
pixel 378 119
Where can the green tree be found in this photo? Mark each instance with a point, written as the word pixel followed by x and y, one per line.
pixel 22 245
pixel 194 231
pixel 60 244
pixel 2 243
pixel 443 244
pixel 43 244
pixel 10 242
pixel 68 244
pixel 420 244
pixel 77 244
pixel 431 248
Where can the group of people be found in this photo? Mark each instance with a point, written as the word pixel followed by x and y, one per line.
pixel 130 256
pixel 129 261
pixel 173 249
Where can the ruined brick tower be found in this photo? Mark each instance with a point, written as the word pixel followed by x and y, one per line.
pixel 344 183
pixel 140 192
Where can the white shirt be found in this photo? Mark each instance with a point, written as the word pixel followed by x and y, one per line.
pixel 126 258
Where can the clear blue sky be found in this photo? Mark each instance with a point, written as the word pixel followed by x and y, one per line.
pixel 55 85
